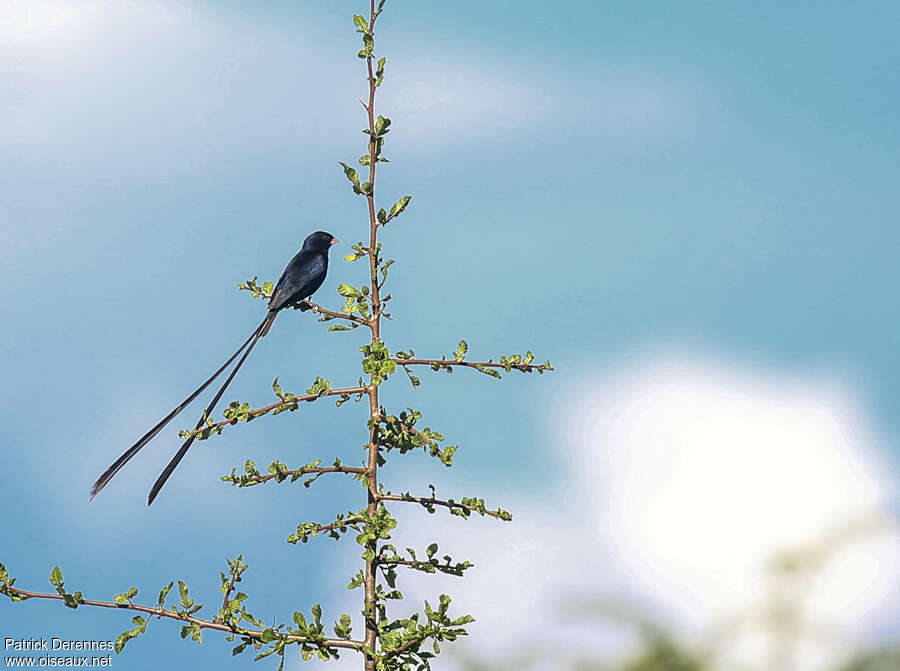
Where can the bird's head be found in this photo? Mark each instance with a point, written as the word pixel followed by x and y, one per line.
pixel 319 241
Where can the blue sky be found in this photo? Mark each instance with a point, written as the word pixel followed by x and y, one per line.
pixel 592 181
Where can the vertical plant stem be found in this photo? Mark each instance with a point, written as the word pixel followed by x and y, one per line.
pixel 375 326
pixel 375 322
pixel 372 469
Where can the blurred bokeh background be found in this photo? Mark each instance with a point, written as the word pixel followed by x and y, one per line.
pixel 689 208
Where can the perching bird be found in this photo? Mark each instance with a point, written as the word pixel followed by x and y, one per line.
pixel 300 279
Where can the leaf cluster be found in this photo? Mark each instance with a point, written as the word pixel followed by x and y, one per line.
pixel 377 361
pixel 6 586
pixel 399 432
pixel 279 472
pixel 403 639
pixel 72 600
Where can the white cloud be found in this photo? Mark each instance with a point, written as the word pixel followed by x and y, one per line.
pixel 686 477
pixel 161 85
pixel 438 104
pixel 38 21
pixel 154 85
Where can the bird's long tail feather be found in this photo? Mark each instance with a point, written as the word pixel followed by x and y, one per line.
pixel 261 330
pixel 143 440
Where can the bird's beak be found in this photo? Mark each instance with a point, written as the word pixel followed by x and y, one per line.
pixel 334 241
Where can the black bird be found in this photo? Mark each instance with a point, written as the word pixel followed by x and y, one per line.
pixel 300 279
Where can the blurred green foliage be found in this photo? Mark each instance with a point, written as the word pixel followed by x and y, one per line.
pixel 780 617
pixel 664 654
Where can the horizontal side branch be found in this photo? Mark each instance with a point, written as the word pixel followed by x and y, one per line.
pixel 217 427
pixel 255 634
pixel 430 501
pixel 262 292
pixel 443 363
pixel 293 474
pixel 318 309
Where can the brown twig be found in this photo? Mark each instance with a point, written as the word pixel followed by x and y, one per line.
pixel 349 522
pixel 403 648
pixel 397 561
pixel 524 367
pixel 309 305
pixel 203 624
pixel 259 479
pixel 230 587
pixel 431 501
pixel 258 412
pixel 318 309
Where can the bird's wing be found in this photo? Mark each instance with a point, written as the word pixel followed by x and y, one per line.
pixel 303 275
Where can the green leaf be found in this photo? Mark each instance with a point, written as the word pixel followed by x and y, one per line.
pixel 399 206
pixel 263 655
pixel 320 387
pixel 357 581
pixel 73 600
pixel 140 626
pixel 186 601
pixel 382 125
pixel 56 578
pixel 360 22
pixel 161 603
pixel 193 629
pixel 461 350
pixel 352 176
pixel 277 389
pixel 121 640
pixel 379 73
pixel 368 46
pixel 343 628
pixel 348 291
pixel 124 598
